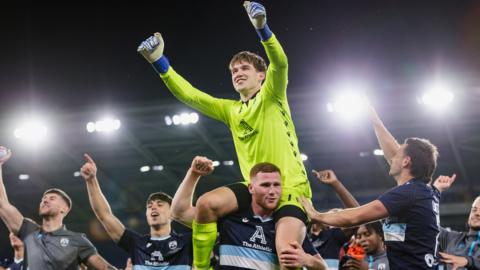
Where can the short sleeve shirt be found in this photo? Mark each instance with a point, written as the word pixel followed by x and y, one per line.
pixel 411 230
pixel 60 249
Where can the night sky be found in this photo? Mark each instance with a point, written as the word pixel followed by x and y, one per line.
pixel 80 54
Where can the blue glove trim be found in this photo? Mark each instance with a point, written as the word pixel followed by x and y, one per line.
pixel 264 33
pixel 161 65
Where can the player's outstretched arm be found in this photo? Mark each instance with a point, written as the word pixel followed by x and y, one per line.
pixel 277 74
pixel 99 203
pixel 328 177
pixel 369 212
pixel 183 210
pixel 9 214
pixel 387 142
pixel 152 50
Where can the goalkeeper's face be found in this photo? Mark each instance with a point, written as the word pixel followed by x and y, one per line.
pixel 246 78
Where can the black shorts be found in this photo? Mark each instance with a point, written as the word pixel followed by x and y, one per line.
pixel 244 201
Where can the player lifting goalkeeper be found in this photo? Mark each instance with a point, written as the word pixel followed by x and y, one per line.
pixel 262 130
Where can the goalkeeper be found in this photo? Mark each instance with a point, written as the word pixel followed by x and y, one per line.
pixel 262 131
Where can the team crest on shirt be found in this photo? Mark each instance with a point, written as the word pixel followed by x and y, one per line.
pixel 64 241
pixel 172 244
pixel 429 259
pixel 381 266
pixel 149 244
pixel 245 220
pixel 247 130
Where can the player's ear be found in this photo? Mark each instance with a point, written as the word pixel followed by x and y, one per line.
pixel 261 76
pixel 407 161
pixel 250 188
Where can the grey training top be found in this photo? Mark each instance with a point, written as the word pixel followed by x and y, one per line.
pixel 60 249
pixel 464 244
pixel 378 261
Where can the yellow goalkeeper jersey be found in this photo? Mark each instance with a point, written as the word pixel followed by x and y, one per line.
pixel 262 128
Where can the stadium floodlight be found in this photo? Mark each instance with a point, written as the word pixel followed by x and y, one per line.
pixel 90 127
pixel 144 169
pixel 105 125
pixel 168 120
pixel 437 95
pixel 378 152
pixel 304 157
pixel 31 131
pixel 157 168
pixel 348 105
pixel 23 177
pixel 182 119
pixel 228 163
pixel 216 163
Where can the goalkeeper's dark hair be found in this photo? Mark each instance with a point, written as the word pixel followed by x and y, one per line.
pixel 256 60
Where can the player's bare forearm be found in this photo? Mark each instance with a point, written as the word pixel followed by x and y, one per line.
pixel 369 212
pixel 182 208
pixel 9 214
pixel 102 210
pixel 345 196
pixel 385 139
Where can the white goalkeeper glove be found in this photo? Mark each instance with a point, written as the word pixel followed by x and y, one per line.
pixel 152 50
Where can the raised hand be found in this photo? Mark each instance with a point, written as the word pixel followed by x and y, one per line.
pixel 202 166
pixel 444 182
pixel 326 176
pixel 309 209
pixel 257 14
pixel 5 154
pixel 152 48
pixel 89 169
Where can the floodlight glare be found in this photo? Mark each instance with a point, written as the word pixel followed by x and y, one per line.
pixel 144 168
pixel 32 131
pixel 216 163
pixel 90 127
pixel 23 177
pixel 157 168
pixel 304 157
pixel 348 105
pixel 228 163
pixel 106 125
pixel 182 119
pixel 176 119
pixel 437 96
pixel 193 117
pixel 76 174
pixel 168 120
pixel 378 152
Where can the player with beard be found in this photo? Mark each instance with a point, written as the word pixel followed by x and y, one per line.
pixel 162 248
pixel 411 209
pixel 49 246
pixel 460 250
pixel 247 238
